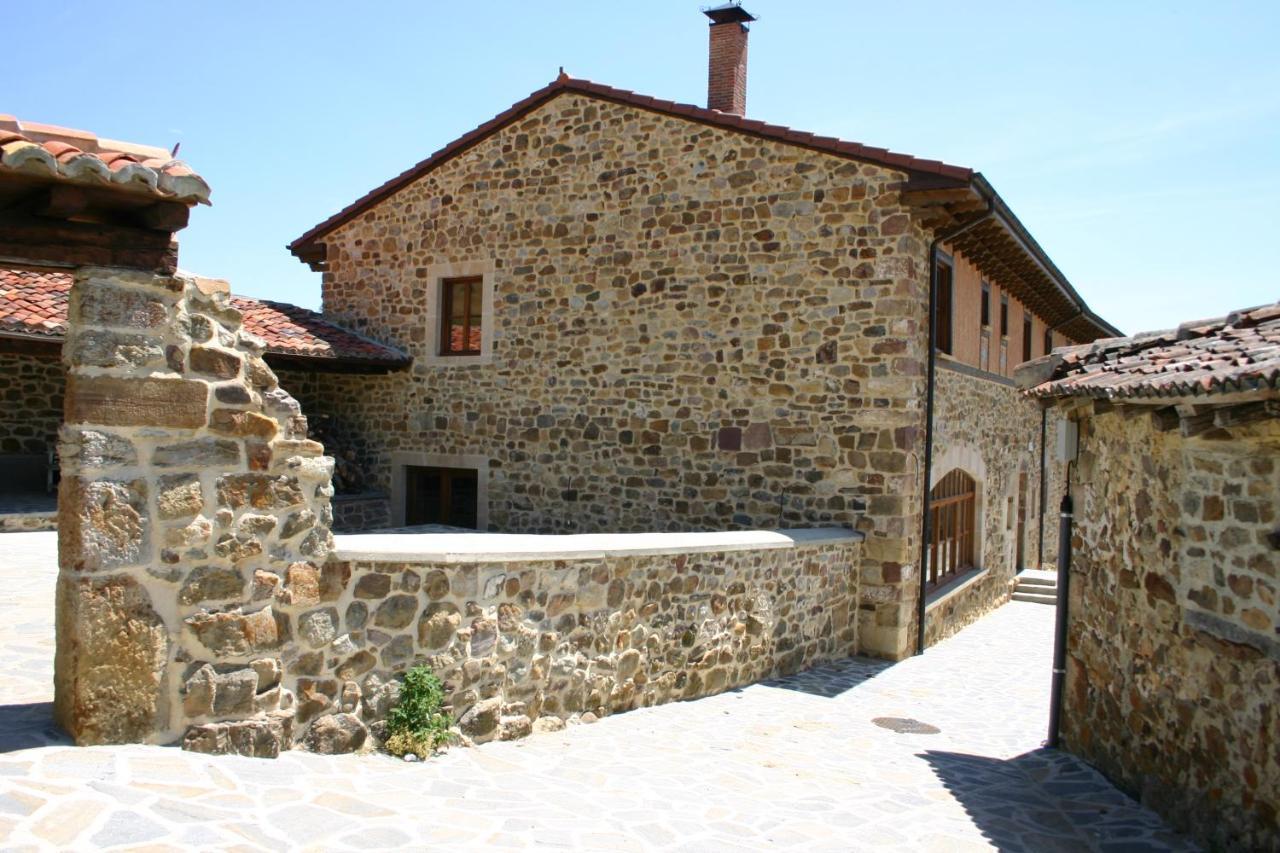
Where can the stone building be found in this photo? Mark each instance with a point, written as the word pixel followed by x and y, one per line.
pixel 201 599
pixel 1173 652
pixel 629 314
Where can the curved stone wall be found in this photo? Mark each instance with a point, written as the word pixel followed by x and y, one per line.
pixel 528 638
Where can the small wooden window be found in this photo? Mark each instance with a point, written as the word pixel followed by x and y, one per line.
pixel 441 496
pixel 1048 341
pixel 460 308
pixel 1004 316
pixel 953 526
pixel 986 304
pixel 1026 336
pixel 943 308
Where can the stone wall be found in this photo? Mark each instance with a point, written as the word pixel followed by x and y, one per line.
pixel 193 515
pixel 355 513
pixel 690 328
pixel 985 426
pixel 523 641
pixel 30 402
pixel 1174 655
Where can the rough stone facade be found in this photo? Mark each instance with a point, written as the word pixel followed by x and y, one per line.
pixel 986 427
pixel 1174 649
pixel 533 643
pixel 31 392
pixel 690 329
pixel 355 513
pixel 192 510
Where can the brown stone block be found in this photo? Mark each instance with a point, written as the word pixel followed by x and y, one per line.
pixel 301 585
pixel 211 583
pixel 260 491
pixel 102 303
pixel 243 424
pixel 100 348
pixel 200 453
pixel 214 362
pixel 103 524
pixel 258 738
pixel 109 666
pixel 179 496
pixel 234 634
pixel 113 401
pixel 757 437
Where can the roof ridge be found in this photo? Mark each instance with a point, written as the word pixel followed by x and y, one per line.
pixel 565 83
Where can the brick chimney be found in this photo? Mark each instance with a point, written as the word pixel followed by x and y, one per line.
pixel 727 65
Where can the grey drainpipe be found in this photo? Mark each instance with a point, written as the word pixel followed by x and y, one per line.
pixel 1044 428
pixel 926 526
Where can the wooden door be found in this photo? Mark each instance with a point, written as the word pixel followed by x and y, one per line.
pixel 1020 559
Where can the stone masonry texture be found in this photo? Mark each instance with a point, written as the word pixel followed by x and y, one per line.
pixel 987 428
pixel 191 509
pixel 528 644
pixel 1174 649
pixel 31 392
pixel 659 288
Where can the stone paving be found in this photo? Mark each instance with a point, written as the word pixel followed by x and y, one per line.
pixel 797 763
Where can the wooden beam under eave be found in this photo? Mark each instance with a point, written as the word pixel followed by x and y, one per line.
pixel 167 216
pixel 41 240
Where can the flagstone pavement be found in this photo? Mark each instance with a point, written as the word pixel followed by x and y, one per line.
pixel 797 763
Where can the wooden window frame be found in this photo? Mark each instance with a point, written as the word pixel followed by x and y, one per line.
pixel 447 478
pixel 1048 341
pixel 944 308
pixel 474 291
pixel 985 316
pixel 1028 330
pixel 953 545
pixel 1004 316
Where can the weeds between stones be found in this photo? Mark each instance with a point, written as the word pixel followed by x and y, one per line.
pixel 417 725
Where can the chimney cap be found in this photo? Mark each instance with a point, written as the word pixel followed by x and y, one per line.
pixel 729 13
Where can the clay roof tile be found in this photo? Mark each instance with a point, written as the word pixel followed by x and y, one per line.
pixel 33 303
pixel 78 156
pixel 1238 352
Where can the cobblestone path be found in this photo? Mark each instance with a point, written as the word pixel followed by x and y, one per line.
pixel 797 763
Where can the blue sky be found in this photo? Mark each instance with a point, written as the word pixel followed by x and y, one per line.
pixel 1139 141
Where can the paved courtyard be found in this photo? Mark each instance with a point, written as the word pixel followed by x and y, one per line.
pixel 797 763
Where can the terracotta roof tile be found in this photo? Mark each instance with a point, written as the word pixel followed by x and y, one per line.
pixel 1238 352
pixel 77 156
pixel 33 303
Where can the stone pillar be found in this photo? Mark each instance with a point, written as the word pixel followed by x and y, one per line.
pixel 191 507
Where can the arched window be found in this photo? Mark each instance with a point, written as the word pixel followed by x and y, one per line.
pixel 953 516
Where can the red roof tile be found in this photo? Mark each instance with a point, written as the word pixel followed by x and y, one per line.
pixel 1238 352
pixel 565 84
pixel 80 157
pixel 33 303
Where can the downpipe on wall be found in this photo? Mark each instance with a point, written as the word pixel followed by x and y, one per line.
pixel 926 523
pixel 1066 517
pixel 1044 473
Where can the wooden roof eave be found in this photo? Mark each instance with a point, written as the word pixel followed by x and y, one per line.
pixel 1003 251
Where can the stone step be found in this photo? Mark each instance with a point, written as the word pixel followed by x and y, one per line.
pixel 1036 598
pixel 1049 583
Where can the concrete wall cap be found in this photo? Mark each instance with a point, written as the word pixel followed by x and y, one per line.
pixel 510 548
